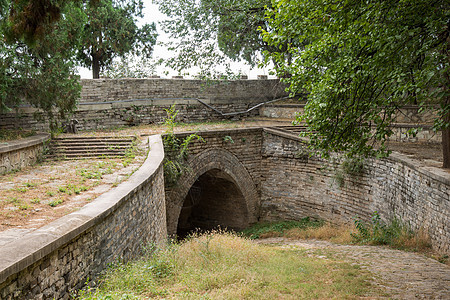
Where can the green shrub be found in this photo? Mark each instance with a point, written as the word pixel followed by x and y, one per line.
pixel 395 234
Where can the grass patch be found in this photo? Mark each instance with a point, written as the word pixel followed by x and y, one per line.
pixel 22 189
pixel 35 200
pixel 30 184
pixel 14 134
pixel 56 202
pixel 277 229
pixel 96 171
pixel 395 234
pixel 225 266
pixel 340 234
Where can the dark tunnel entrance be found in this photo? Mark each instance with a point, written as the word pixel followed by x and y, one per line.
pixel 213 200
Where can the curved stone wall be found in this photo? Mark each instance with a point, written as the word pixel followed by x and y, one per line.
pixel 15 155
pixel 295 185
pixel 55 259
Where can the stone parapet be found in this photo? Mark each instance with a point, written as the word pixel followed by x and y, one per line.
pixel 17 154
pixel 52 261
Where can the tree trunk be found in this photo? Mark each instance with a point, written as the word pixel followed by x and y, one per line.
pixel 95 66
pixel 446 143
pixel 446 131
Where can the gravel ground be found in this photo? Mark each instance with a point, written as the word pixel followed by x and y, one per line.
pixel 403 275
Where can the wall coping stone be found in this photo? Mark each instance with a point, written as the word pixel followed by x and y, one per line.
pixel 21 253
pixel 285 134
pixel 216 132
pixel 171 79
pixel 439 174
pixel 24 143
pixel 288 105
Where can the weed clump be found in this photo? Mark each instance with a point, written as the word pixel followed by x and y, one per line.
pixel 395 234
pixel 176 150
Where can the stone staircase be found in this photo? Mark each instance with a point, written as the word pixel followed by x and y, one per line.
pixel 79 147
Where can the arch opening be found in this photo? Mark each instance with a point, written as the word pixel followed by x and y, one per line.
pixel 213 200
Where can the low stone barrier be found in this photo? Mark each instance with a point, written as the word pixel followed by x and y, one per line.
pixel 55 259
pixel 15 155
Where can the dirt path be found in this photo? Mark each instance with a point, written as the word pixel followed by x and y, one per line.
pixel 403 275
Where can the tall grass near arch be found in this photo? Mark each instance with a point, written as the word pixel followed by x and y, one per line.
pixel 225 266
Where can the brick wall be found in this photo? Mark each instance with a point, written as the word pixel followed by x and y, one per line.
pixel 277 178
pixel 295 185
pixel 108 103
pixel 104 90
pixel 53 260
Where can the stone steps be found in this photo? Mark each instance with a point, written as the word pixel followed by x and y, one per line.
pixel 89 147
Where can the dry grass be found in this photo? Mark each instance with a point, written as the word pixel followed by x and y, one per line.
pixel 419 241
pixel 224 266
pixel 336 233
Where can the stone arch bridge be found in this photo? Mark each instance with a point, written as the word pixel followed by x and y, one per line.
pixel 240 176
pixel 222 184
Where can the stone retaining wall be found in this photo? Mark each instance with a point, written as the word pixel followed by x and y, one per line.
pixel 409 114
pixel 109 103
pixel 18 154
pixel 105 90
pixel 281 179
pixel 295 185
pixel 53 260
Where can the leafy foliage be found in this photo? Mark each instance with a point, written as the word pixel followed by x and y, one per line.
pixel 42 73
pixel 111 31
pixel 176 150
pixel 206 33
pixel 359 62
pixel 131 67
pixel 29 20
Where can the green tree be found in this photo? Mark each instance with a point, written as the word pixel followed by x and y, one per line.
pixel 111 31
pixel 29 20
pixel 360 61
pixel 205 33
pixel 42 73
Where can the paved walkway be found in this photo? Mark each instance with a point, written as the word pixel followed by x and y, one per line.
pixel 404 275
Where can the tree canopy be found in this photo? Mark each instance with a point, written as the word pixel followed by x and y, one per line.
pixel 205 33
pixel 111 31
pixel 42 72
pixel 359 62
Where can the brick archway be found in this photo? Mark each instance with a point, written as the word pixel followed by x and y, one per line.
pixel 204 162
